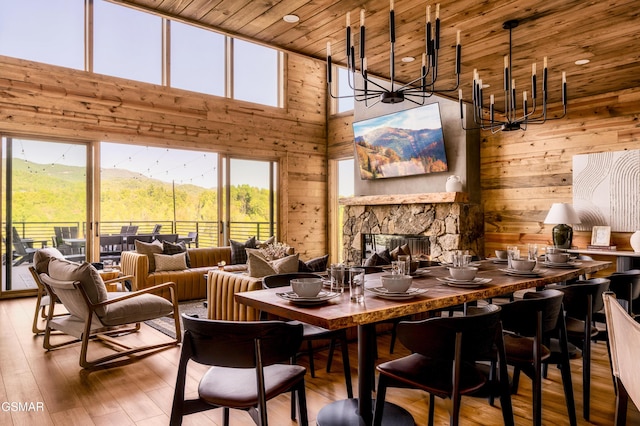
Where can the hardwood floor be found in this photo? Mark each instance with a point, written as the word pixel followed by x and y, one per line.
pixel 140 392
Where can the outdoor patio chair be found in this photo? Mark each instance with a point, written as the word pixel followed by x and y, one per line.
pixel 58 241
pixel 22 253
pixel 94 314
pixel 111 247
pixel 170 238
pixel 156 229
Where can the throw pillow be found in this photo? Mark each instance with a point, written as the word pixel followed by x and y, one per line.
pixel 149 249
pixel 238 250
pixel 404 249
pixel 372 260
pixel 171 262
pixel 270 240
pixel 42 257
pixel 317 264
pixel 384 257
pixel 87 275
pixel 259 267
pixel 175 248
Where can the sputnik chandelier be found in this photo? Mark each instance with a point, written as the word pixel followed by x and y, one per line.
pixel 512 119
pixel 369 91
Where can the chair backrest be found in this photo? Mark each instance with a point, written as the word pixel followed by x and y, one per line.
pixel 283 280
pixel 61 273
pixel 624 342
pixel 18 244
pixel 111 243
pixel 578 294
pixel 521 316
pixel 193 236
pixel 171 238
pixel 132 238
pixel 626 284
pixel 234 343
pixel 436 337
pixel 156 228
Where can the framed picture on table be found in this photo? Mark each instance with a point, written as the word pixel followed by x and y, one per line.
pixel 601 236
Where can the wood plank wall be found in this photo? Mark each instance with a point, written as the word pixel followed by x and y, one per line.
pixel 523 173
pixel 52 102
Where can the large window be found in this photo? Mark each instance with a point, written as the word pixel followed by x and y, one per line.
pixel 344 103
pixel 49 31
pixel 127 43
pixel 197 59
pixel 255 73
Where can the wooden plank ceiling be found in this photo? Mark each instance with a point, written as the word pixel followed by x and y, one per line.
pixel 604 32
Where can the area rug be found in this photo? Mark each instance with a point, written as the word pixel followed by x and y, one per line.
pixel 166 325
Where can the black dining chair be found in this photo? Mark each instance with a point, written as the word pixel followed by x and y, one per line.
pixel 581 300
pixel 249 365
pixel 312 332
pixel 443 360
pixel 529 325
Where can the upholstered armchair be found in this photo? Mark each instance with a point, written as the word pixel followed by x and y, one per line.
pixel 94 314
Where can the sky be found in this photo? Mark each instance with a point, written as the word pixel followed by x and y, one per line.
pixel 168 165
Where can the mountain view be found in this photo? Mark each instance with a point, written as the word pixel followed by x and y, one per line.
pixel 56 193
pixel 391 152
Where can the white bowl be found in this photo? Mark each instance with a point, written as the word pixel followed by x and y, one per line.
pixel 523 265
pixel 306 287
pixel 465 273
pixel 501 254
pixel 396 283
pixel 558 257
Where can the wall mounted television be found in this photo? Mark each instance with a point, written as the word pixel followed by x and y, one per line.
pixel 403 143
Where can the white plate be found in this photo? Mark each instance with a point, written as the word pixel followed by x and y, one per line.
pixel 384 294
pixel 516 273
pixel 421 272
pixel 496 260
pixel 567 265
pixel 476 282
pixel 322 297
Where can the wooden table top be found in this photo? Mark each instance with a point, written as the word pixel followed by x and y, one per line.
pixel 341 313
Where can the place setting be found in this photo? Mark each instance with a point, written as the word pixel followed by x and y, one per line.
pixel 501 257
pixel 463 273
pixel 554 259
pixel 397 285
pixel 522 267
pixel 307 292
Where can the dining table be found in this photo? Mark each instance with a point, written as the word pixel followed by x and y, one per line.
pixel 431 293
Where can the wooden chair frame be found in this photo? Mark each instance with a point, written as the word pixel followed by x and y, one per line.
pixel 90 327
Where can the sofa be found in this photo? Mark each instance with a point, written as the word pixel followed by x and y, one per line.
pixel 190 283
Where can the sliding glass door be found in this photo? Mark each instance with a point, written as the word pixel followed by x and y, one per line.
pixel 250 199
pixel 44 204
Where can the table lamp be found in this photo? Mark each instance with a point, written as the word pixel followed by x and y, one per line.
pixel 562 214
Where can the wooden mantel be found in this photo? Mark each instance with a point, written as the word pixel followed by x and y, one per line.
pixel 426 198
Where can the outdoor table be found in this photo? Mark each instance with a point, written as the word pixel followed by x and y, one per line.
pixel 341 313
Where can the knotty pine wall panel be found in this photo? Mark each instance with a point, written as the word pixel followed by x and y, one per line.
pixel 40 100
pixel 523 173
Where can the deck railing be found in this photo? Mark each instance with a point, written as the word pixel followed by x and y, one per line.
pixel 208 231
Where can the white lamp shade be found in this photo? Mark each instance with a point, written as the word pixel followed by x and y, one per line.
pixel 562 213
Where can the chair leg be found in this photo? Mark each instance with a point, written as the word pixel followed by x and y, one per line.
pixel 225 416
pixel 565 371
pixel 311 364
pixel 621 404
pixel 380 396
pixel 302 405
pixel 393 338
pixel 432 408
pixel 586 374
pixel 332 347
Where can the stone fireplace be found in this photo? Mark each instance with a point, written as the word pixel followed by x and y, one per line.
pixel 449 221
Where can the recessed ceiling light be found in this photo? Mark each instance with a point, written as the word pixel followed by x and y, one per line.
pixel 408 59
pixel 292 19
pixel 582 61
